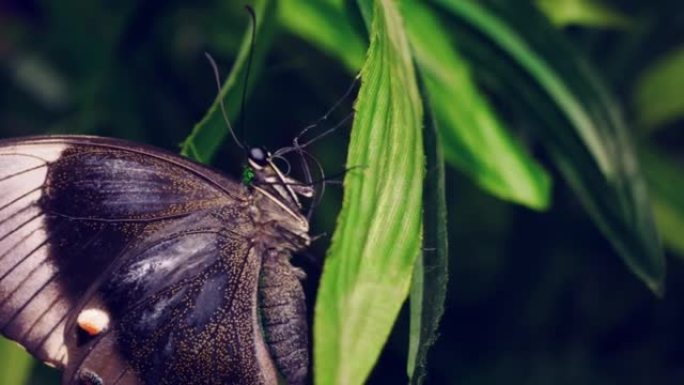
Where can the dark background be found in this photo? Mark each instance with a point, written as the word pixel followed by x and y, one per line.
pixel 534 298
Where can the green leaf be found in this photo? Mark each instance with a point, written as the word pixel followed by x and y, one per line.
pixel 367 273
pixel 208 135
pixel 588 13
pixel 581 125
pixel 659 94
pixel 474 138
pixel 430 274
pixel 16 364
pixel 666 182
pixel 366 10
pixel 326 26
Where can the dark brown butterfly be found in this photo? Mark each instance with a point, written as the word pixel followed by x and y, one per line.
pixel 122 264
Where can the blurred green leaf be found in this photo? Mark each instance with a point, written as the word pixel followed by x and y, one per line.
pixel 659 94
pixel 473 137
pixel 366 10
pixel 326 26
pixel 368 270
pixel 509 39
pixel 583 127
pixel 16 363
pixel 666 182
pixel 670 220
pixel 588 13
pixel 208 135
pixel 430 274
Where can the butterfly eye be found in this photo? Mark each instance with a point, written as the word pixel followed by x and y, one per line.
pixel 259 156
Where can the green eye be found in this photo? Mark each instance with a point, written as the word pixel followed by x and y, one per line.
pixel 247 175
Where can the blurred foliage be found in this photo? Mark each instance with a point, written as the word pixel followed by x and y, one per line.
pixel 210 132
pixel 534 298
pixel 473 137
pixel 658 92
pixel 16 364
pixel 588 13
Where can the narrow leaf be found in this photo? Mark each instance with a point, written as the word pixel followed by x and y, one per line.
pixel 473 137
pixel 430 274
pixel 366 10
pixel 15 366
pixel 368 270
pixel 582 126
pixel 659 95
pixel 208 135
pixel 326 26
pixel 587 13
pixel 666 182
pixel 509 40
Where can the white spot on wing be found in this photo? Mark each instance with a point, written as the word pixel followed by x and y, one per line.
pixel 93 321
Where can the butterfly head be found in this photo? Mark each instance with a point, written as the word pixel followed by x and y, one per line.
pixel 262 174
pixel 259 158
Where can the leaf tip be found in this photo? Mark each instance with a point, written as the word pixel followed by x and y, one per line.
pixel 657 286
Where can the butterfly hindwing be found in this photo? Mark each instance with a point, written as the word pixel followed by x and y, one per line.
pixel 147 237
pixel 183 305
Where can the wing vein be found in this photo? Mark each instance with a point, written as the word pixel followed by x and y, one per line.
pixel 19 242
pixel 33 296
pixel 23 259
pixel 10 176
pixel 19 198
pixel 47 239
pixel 121 376
pixel 47 335
pixel 2 238
pixel 47 310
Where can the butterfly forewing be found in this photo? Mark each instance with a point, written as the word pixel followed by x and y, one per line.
pixel 33 305
pixel 166 250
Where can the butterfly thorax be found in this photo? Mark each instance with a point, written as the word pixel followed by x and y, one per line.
pixel 278 226
pixel 276 200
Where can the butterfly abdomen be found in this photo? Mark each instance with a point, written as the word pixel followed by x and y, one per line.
pixel 283 316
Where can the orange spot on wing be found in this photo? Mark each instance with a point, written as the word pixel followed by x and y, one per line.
pixel 90 327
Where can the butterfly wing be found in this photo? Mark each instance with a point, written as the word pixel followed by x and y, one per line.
pixel 75 214
pixel 183 305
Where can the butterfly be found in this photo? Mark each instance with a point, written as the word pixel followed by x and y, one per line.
pixel 123 264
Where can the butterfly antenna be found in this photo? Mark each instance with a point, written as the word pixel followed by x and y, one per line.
pixel 332 179
pixel 243 117
pixel 296 146
pixel 328 131
pixel 217 78
pixel 332 109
